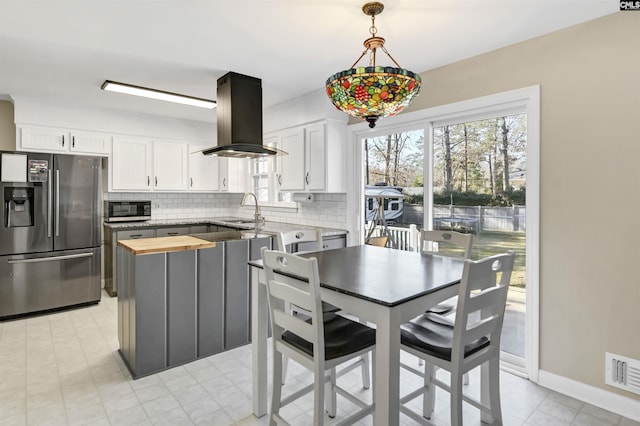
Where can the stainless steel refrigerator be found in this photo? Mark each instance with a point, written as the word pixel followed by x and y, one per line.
pixel 50 232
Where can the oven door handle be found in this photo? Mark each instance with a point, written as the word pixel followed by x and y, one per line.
pixel 50 259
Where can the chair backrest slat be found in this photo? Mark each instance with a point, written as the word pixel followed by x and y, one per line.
pixel 488 297
pixel 463 241
pixel 294 295
pixel 485 327
pixel 294 324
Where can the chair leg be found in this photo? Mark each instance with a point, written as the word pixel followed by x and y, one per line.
pixel 494 390
pixel 318 393
pixel 429 397
pixel 276 394
pixel 285 364
pixel 366 368
pixel 330 394
pixel 456 399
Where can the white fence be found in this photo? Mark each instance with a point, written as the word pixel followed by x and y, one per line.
pixel 470 218
pixel 407 239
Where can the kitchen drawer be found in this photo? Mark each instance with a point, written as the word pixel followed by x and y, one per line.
pixel 199 229
pixel 134 234
pixel 338 241
pixel 328 243
pixel 171 232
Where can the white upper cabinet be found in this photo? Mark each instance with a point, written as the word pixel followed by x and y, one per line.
pixel 43 139
pixel 203 170
pixel 57 140
pixel 90 143
pixel 292 167
pixel 314 160
pixel 236 172
pixel 169 166
pixel 131 165
pixel 209 172
pixel 140 164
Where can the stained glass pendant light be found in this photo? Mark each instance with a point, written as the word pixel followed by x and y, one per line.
pixel 373 91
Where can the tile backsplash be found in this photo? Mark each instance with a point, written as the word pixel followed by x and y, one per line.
pixel 327 210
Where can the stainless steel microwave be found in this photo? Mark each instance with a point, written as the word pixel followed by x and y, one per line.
pixel 127 211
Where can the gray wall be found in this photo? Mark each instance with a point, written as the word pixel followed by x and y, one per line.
pixel 7 127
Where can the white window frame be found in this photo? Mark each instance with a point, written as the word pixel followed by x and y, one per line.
pixel 273 188
pixel 525 100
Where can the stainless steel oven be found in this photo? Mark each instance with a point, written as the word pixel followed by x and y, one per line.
pixel 127 211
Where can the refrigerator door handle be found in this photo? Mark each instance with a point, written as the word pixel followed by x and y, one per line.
pixel 50 209
pixel 50 259
pixel 57 203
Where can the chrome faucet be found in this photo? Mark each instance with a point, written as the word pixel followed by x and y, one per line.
pixel 259 220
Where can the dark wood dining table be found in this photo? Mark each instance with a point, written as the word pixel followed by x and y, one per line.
pixel 383 286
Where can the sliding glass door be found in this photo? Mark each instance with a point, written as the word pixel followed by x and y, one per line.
pixel 479 182
pixel 473 167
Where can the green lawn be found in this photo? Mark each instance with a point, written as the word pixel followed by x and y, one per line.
pixel 488 243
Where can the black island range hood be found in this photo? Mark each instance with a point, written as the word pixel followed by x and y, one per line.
pixel 239 117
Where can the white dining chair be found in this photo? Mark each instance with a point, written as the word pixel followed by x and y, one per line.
pixel 312 241
pixel 320 343
pixel 474 339
pixel 446 243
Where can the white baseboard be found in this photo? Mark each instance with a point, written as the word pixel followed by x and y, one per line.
pixel 622 405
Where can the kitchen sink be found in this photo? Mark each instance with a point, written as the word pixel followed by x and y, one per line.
pixel 230 235
pixel 238 221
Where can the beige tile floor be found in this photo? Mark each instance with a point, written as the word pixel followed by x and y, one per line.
pixel 64 369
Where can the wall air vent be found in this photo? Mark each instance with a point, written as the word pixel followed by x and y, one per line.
pixel 622 372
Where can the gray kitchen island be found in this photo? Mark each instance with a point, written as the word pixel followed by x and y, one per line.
pixel 185 297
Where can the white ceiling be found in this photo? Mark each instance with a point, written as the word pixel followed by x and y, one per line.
pixel 60 51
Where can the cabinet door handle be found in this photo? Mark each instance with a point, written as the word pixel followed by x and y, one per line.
pixel 156 180
pixel 280 180
pixel 73 141
pixel 62 140
pixel 134 236
pixel 191 182
pixel 172 233
pixel 224 182
pixel 148 181
pixel 306 178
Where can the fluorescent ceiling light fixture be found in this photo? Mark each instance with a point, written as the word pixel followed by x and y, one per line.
pixel 130 89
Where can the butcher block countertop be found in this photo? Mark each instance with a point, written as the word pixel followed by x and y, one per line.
pixel 165 244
